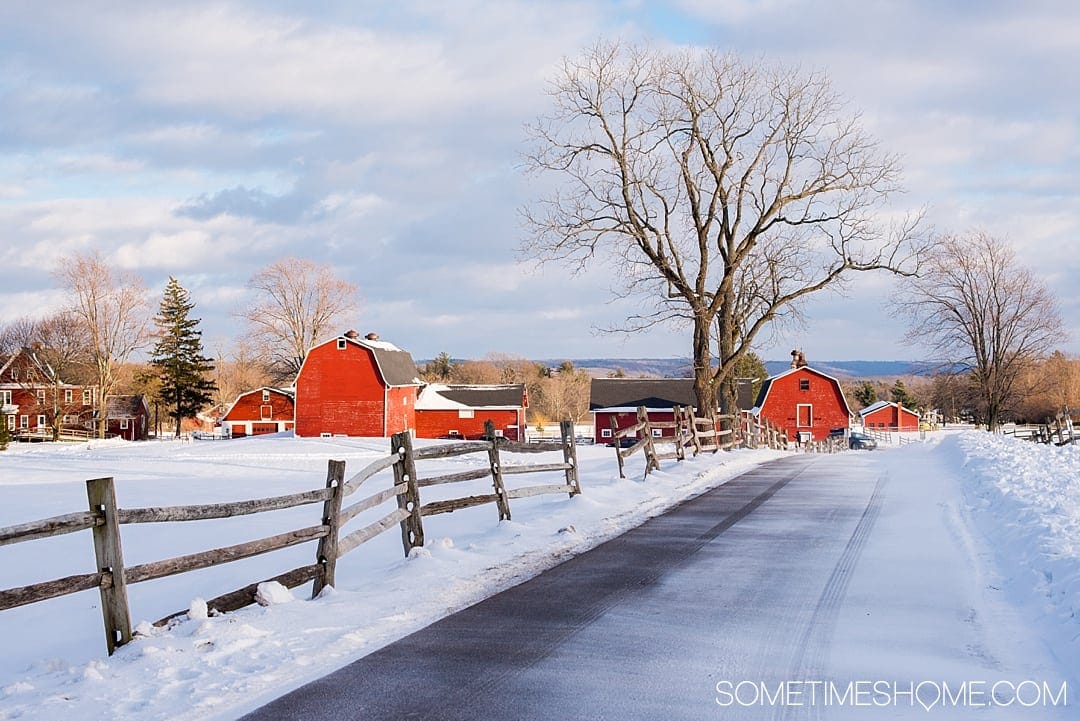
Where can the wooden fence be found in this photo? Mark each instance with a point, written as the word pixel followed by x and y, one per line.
pixel 692 432
pixel 104 518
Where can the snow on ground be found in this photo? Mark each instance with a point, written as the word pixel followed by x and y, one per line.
pixel 1014 503
pixel 55 667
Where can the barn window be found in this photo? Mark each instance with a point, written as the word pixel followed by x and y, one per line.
pixel 605 433
pixel 804 413
pixel 466 413
pixel 324 434
pixel 405 401
pixel 266 396
pixel 266 413
pixel 657 433
pixel 123 424
pixel 341 342
pixel 804 384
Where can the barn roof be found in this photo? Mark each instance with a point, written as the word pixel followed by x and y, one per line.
pixel 885 404
pixel 125 406
pixel 655 393
pixel 767 385
pixel 439 396
pixel 395 365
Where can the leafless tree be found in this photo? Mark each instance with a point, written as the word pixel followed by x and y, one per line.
pixel 113 308
pixel 974 306
pixel 296 305
pixel 239 368
pixel 723 191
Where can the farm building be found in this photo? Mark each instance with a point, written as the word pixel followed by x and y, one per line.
pixel 263 410
pixel 128 417
pixel 461 410
pixel 886 415
pixel 35 401
pixel 804 402
pixel 617 399
pixel 355 386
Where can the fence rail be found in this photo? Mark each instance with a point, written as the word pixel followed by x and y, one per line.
pixel 105 519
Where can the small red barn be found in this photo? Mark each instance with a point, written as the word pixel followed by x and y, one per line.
pixel 355 386
pixel 129 417
pixel 461 410
pixel 804 402
pixel 619 398
pixel 886 415
pixel 263 410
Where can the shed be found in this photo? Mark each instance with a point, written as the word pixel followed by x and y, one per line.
pixel 128 417
pixel 263 410
pixel 459 410
pixel 804 402
pixel 886 415
pixel 618 399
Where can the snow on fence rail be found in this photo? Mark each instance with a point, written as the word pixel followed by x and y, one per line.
pixel 104 519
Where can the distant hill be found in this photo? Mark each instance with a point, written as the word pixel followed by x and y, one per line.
pixel 680 367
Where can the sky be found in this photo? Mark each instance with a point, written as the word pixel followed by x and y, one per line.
pixel 205 140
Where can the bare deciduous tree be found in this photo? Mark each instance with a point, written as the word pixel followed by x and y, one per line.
pixel 113 308
pixel 723 191
pixel 974 306
pixel 296 304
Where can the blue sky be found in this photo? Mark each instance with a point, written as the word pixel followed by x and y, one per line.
pixel 205 140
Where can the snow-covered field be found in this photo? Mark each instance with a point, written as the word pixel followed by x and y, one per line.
pixel 1024 501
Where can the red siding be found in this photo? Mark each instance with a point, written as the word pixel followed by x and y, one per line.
pixel 787 401
pixel 340 391
pixel 625 419
pixel 437 423
pixel 249 407
pixel 886 417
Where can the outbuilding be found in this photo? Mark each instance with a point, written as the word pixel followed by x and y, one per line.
pixel 261 411
pixel 617 399
pixel 129 417
pixel 889 416
pixel 353 386
pixel 460 411
pixel 804 402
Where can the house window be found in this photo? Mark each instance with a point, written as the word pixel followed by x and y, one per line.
pixel 605 433
pixel 266 413
pixel 341 343
pixel 123 424
pixel 24 421
pixel 41 398
pixel 266 396
pixel 11 423
pixel 804 384
pixel 5 398
pixel 87 397
pixel 466 413
pixel 14 374
pixel 69 395
pixel 71 420
pixel 804 414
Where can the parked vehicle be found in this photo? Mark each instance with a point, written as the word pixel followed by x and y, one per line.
pixel 861 441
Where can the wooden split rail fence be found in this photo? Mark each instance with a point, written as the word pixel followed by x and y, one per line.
pixel 104 519
pixel 723 432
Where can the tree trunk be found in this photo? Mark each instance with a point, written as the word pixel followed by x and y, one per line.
pixel 704 385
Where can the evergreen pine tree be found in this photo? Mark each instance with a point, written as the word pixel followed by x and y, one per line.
pixel 177 356
pixel 866 394
pixel 901 395
pixel 5 433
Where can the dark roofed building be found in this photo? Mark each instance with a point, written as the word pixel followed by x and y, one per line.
pixel 617 399
pixel 128 417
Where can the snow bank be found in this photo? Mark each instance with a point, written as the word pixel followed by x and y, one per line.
pixel 1025 497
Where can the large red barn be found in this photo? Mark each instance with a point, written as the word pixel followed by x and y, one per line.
pixel 353 386
pixel 804 402
pixel 461 410
pixel 886 415
pixel 263 410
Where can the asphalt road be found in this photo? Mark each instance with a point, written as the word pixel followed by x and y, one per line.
pixel 746 582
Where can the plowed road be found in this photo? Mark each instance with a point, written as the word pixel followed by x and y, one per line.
pixel 807 571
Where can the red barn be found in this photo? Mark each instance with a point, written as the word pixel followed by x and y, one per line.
pixel 355 386
pixel 129 417
pixel 889 416
pixel 619 398
pixel 461 410
pixel 804 402
pixel 264 410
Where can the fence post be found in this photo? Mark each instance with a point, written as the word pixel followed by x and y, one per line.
pixel 569 452
pixel 101 495
pixel 501 500
pixel 618 444
pixel 676 415
pixel 327 552
pixel 651 463
pixel 412 527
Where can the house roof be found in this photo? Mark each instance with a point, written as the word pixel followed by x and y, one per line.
pixel 128 406
pixel 396 366
pixel 439 396
pixel 767 385
pixel 655 393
